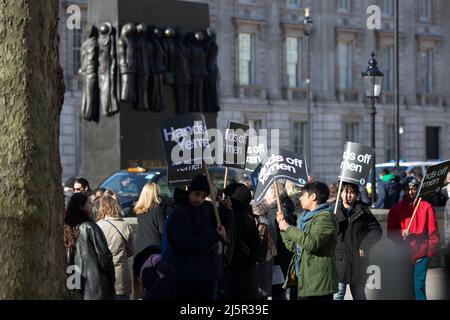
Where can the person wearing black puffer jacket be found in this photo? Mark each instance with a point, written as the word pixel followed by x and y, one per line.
pixel 358 232
pixel 284 256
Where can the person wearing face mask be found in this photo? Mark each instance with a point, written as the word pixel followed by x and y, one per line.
pixel 419 236
pixel 190 236
pixel 358 232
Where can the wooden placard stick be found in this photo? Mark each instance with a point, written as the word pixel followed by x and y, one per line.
pixel 225 178
pixel 338 196
pixel 413 216
pixel 277 195
pixel 212 195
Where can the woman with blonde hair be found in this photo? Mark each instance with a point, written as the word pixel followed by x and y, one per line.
pixel 119 236
pixel 150 211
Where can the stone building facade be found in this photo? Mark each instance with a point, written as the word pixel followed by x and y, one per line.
pixel 262 63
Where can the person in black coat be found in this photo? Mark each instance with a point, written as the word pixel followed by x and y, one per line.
pixel 358 232
pixel 388 190
pixel 192 234
pixel 284 256
pixel 242 278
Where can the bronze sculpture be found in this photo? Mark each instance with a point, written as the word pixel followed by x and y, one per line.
pixel 212 83
pixel 182 72
pixel 199 71
pixel 169 49
pixel 160 68
pixel 144 67
pixel 107 70
pixel 88 72
pixel 127 63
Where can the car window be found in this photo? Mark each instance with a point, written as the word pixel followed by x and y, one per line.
pixel 161 180
pixel 126 184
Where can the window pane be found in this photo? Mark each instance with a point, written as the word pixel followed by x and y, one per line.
pixel 425 10
pixel 344 5
pixel 246 52
pixel 388 68
pixel 299 136
pixel 345 65
pixel 427 71
pixel 387 7
pixel 293 65
pixel 390 142
pixel 351 131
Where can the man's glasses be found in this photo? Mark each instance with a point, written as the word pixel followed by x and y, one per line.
pixel 78 189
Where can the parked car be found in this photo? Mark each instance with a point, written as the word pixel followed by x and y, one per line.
pixel 129 183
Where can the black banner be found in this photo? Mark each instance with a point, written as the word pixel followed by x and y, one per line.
pixel 236 144
pixel 434 179
pixel 185 139
pixel 285 165
pixel 356 163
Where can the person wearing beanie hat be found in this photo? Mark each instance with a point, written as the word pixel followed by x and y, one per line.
pixel 421 241
pixel 191 236
pixel 199 183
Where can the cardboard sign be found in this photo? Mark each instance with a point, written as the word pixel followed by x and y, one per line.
pixel 285 165
pixel 356 163
pixel 185 140
pixel 434 178
pixel 236 144
pixel 256 152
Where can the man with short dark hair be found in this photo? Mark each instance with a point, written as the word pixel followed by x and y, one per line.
pixel 422 239
pixel 313 241
pixel 388 190
pixel 81 185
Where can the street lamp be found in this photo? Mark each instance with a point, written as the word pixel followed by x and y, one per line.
pixel 373 81
pixel 307 31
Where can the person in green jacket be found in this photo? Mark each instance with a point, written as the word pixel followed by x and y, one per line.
pixel 313 241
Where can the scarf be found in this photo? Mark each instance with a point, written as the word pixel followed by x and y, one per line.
pixel 305 217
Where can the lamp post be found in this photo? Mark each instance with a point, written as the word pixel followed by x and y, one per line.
pixel 307 31
pixel 373 81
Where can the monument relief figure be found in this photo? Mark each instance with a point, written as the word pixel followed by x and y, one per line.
pixel 107 70
pixel 143 66
pixel 212 82
pixel 199 71
pixel 159 68
pixel 182 73
pixel 127 63
pixel 169 49
pixel 88 72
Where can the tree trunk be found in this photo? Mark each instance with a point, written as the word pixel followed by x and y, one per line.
pixel 31 199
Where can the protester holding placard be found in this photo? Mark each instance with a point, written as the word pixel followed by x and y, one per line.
pixel 412 225
pixel 284 256
pixel 358 232
pixel 313 240
pixel 192 235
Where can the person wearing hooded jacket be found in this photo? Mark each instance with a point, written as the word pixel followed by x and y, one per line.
pixel 242 279
pixel 358 232
pixel 388 190
pixel 191 235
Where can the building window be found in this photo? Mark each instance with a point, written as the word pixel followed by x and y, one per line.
pixel 432 143
pixel 390 142
pixel 345 58
pixel 351 132
pixel 388 68
pixel 77 41
pixel 426 8
pixel 293 3
pixel 344 5
pixel 246 59
pixel 247 1
pixel 293 63
pixel 299 136
pixel 387 7
pixel 427 70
